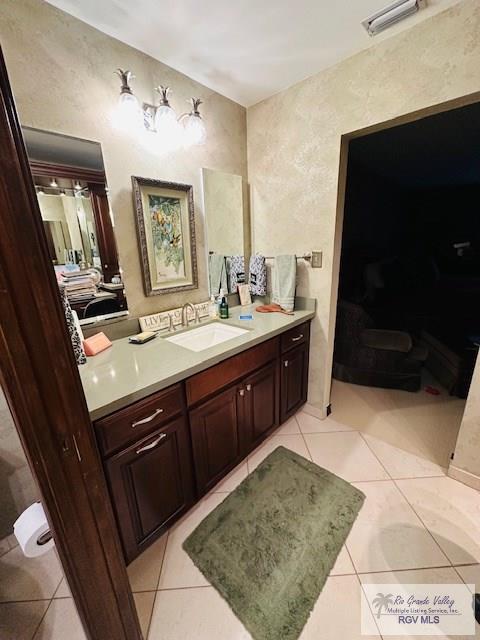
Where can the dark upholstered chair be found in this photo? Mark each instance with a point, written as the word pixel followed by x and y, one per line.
pixel 374 357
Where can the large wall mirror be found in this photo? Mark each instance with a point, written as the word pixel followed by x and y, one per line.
pixel 227 225
pixel 72 193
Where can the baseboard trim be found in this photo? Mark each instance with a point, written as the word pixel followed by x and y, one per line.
pixel 317 412
pixel 470 479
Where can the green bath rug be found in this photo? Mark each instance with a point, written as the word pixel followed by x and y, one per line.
pixel 269 546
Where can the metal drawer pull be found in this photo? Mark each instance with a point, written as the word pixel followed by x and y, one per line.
pixel 156 413
pixel 249 387
pixel 242 392
pixel 297 338
pixel 153 444
pixel 285 364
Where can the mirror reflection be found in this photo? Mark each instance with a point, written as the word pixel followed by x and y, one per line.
pixel 227 230
pixel 71 188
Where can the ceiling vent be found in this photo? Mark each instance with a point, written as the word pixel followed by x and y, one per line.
pixel 391 15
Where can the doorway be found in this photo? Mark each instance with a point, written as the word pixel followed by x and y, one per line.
pixel 408 260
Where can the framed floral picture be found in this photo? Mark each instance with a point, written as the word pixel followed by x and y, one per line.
pixel 166 235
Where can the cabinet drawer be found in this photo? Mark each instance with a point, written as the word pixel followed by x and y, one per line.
pixel 139 419
pixel 296 336
pixel 151 484
pixel 207 382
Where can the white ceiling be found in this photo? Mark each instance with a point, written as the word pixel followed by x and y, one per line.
pixel 244 49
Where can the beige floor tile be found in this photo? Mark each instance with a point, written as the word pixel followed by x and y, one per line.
pixel 20 620
pixel 294 442
pixel 387 535
pixel 178 570
pixel 289 427
pixel 61 622
pixel 420 423
pixel 194 614
pixel 232 480
pixel 346 455
pixel 144 604
pixel 63 590
pixel 311 424
pixel 470 574
pixel 400 463
pixel 444 575
pixel 144 571
pixel 450 510
pixel 343 564
pixel 336 615
pixel 24 578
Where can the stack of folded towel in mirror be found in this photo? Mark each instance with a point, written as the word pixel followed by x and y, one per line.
pixel 79 285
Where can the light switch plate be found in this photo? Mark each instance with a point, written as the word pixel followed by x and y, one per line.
pixel 316 260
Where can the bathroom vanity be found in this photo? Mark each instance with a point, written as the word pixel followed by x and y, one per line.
pixel 163 450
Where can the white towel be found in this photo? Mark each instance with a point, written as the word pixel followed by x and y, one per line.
pixel 217 273
pixel 284 281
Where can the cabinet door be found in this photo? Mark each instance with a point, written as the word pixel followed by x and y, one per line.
pixel 216 441
pixel 151 484
pixel 260 414
pixel 294 376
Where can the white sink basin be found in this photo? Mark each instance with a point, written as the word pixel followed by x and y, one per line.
pixel 207 336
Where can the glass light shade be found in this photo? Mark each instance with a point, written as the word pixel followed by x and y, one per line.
pixel 167 127
pixel 128 114
pixel 195 132
pixel 165 116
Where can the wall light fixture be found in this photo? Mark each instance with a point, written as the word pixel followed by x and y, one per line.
pixel 186 130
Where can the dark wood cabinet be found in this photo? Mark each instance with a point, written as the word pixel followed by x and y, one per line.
pixel 151 485
pixel 216 437
pixel 294 380
pixel 260 405
pixel 165 451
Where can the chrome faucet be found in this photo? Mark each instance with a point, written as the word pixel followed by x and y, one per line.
pixel 186 306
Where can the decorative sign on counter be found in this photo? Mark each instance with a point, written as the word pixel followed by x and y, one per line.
pixel 160 321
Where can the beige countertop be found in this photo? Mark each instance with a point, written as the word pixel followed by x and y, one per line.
pixel 127 372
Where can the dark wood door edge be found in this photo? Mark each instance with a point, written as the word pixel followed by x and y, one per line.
pixel 43 388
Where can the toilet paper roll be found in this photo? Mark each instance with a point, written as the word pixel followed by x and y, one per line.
pixel 33 532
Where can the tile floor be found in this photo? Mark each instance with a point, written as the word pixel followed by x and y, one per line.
pixel 417 525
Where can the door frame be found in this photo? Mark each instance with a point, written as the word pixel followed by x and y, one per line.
pixel 42 385
pixel 419 114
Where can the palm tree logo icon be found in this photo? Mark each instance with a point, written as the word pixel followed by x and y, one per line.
pixel 382 602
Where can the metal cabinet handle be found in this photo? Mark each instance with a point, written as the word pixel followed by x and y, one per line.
pixel 249 387
pixel 297 338
pixel 242 392
pixel 156 413
pixel 153 444
pixel 285 364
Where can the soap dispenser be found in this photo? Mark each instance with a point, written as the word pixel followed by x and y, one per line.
pixel 224 309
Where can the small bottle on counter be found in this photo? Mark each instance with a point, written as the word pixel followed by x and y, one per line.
pixel 224 309
pixel 212 307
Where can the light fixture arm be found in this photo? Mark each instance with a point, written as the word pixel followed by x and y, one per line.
pixel 125 76
pixel 163 91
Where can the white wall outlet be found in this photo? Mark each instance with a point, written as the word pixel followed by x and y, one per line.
pixel 316 260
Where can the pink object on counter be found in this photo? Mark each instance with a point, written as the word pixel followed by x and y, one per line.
pixel 95 344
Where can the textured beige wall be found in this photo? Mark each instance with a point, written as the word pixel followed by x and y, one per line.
pixel 17 487
pixel 467 450
pixel 294 146
pixel 62 73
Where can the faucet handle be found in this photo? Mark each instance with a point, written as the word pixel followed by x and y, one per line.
pixel 171 325
pixel 197 315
